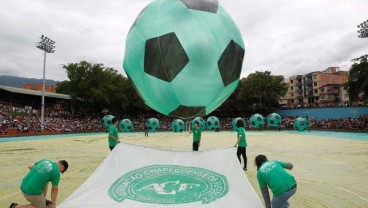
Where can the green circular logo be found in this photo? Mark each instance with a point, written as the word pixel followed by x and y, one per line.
pixel 169 184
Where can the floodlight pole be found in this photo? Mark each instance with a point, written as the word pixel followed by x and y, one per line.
pixel 363 29
pixel 47 45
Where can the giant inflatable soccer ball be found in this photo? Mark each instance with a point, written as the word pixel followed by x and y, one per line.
pixel 257 121
pixel 153 124
pixel 107 121
pixel 126 125
pixel 202 123
pixel 212 123
pixel 274 120
pixel 184 56
pixel 235 121
pixel 178 125
pixel 300 124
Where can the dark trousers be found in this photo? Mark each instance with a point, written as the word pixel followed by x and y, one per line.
pixel 195 146
pixel 242 151
pixel 111 148
pixel 146 133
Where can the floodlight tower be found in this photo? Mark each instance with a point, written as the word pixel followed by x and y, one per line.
pixel 363 31
pixel 47 45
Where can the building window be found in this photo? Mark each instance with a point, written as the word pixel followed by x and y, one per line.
pixel 322 89
pixel 314 76
pixel 322 97
pixel 291 94
pixel 315 83
pixel 291 81
pixel 315 91
pixel 291 88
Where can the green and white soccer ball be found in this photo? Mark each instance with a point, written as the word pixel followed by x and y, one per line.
pixel 213 123
pixel 153 124
pixel 274 120
pixel 300 124
pixel 235 121
pixel 178 125
pixel 126 125
pixel 107 121
pixel 201 121
pixel 184 56
pixel 256 121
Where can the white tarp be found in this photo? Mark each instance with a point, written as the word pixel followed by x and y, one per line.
pixel 134 176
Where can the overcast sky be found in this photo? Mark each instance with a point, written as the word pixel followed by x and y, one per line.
pixel 283 36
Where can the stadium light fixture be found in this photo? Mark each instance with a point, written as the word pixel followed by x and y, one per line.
pixel 363 29
pixel 47 45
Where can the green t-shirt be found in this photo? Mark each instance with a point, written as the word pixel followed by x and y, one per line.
pixel 114 132
pixel 243 141
pixel 196 134
pixel 272 174
pixel 43 172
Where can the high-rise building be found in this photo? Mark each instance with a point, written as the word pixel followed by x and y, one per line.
pixel 317 88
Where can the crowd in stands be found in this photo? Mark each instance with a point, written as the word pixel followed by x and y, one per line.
pixel 325 105
pixel 25 119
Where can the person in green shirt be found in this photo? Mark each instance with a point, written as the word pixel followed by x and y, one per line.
pixel 241 143
pixel 113 134
pixel 34 184
pixel 197 131
pixel 271 174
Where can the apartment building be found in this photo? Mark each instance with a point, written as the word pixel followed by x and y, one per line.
pixel 317 88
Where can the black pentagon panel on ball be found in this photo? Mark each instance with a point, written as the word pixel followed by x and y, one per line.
pixel 202 5
pixel 188 111
pixel 230 63
pixel 164 57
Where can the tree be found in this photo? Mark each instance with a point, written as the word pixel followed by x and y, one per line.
pixel 260 91
pixel 358 79
pixel 97 86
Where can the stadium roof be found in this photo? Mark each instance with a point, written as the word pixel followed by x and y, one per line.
pixel 34 92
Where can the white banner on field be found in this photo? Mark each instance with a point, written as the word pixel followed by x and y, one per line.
pixel 134 176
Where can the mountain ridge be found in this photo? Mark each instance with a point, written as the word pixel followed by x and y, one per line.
pixel 14 81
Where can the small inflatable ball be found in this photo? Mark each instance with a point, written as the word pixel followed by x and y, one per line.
pixel 257 121
pixel 107 121
pixel 153 124
pixel 178 125
pixel 126 125
pixel 176 47
pixel 201 122
pixel 300 124
pixel 274 120
pixel 235 121
pixel 213 123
